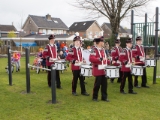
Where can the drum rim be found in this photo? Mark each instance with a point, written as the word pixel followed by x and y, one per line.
pixel 137 66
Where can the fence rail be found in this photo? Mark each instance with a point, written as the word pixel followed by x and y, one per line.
pixel 3 49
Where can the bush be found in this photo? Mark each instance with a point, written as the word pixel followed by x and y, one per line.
pixel 87 43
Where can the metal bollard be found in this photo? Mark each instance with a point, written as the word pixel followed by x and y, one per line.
pixel 9 66
pixel 27 71
pixel 53 83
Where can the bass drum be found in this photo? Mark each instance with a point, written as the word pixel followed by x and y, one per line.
pixel 86 53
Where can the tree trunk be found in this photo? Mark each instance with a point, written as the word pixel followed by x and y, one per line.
pixel 115 30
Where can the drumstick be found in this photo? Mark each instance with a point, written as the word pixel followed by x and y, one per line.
pixel 136 62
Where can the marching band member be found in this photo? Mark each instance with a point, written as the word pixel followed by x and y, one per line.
pixel 98 57
pixel 75 56
pixel 126 60
pixel 50 53
pixel 115 52
pixel 139 55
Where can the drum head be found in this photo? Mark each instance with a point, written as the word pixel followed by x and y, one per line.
pixel 136 66
pixel 60 61
pixel 111 67
pixel 86 66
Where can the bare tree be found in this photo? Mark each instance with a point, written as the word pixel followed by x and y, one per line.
pixel 114 10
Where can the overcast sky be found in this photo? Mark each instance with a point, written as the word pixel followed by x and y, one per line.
pixel 13 10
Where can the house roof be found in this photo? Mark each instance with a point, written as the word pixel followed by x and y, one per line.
pixel 81 26
pixel 121 30
pixel 46 36
pixel 54 23
pixel 128 31
pixel 7 28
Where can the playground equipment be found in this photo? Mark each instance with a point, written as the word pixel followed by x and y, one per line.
pixel 149 32
pixel 53 76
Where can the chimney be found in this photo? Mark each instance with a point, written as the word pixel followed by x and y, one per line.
pixel 48 17
pixel 12 24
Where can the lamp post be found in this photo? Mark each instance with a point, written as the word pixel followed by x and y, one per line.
pixel 20 36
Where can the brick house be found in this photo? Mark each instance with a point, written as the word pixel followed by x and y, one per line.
pixel 44 25
pixel 108 32
pixel 4 30
pixel 86 29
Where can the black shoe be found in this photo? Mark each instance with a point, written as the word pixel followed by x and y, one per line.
pixel 132 92
pixel 85 82
pixel 85 93
pixel 145 86
pixel 74 93
pixel 137 86
pixel 59 87
pixel 95 100
pixel 123 92
pixel 106 100
pixel 112 81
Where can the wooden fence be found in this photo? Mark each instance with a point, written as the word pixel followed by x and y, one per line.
pixel 3 49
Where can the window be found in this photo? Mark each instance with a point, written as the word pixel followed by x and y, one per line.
pixel 55 21
pixel 75 24
pixel 84 23
pixel 49 32
pixel 44 31
pixel 30 21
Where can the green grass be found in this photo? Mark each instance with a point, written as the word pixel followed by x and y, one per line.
pixel 15 104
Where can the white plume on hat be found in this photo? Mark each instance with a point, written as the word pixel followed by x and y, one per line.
pixel 77 34
pixel 130 36
pixel 118 37
pixel 95 36
pixel 101 33
pixel 139 34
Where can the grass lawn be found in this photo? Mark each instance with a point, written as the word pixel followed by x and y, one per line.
pixel 15 104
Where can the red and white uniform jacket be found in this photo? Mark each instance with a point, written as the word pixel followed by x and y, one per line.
pixel 94 58
pixel 50 51
pixel 138 51
pixel 125 58
pixel 73 55
pixel 115 53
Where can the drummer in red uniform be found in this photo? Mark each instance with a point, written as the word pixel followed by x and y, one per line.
pixel 126 61
pixel 98 57
pixel 75 56
pixel 139 55
pixel 116 50
pixel 50 53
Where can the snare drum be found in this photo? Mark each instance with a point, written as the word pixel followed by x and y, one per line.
pixel 86 70
pixel 112 72
pixel 137 70
pixel 60 64
pixel 101 67
pixel 150 62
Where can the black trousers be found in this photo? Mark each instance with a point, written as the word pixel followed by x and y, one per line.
pixel 144 79
pixel 58 82
pixel 130 81
pixel 120 77
pixel 100 81
pixel 76 75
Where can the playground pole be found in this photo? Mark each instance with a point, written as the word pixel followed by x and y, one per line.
pixel 132 23
pixel 156 45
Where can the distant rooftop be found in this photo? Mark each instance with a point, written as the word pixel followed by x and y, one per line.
pixel 48 22
pixel 7 28
pixel 81 26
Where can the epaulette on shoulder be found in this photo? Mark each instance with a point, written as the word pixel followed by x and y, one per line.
pixel 93 51
pixel 70 51
pixel 123 52
pixel 134 48
pixel 46 49
pixel 113 49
